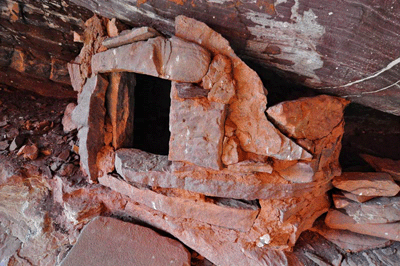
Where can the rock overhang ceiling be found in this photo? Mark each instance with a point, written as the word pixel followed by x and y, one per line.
pixel 347 49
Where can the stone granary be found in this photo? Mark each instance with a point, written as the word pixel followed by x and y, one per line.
pixel 226 178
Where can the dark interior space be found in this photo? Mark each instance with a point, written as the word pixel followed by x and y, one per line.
pixel 151 115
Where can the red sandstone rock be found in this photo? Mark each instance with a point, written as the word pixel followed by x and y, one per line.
pixel 357 198
pixel 105 160
pixel 219 80
pixel 75 75
pixel 173 59
pixel 108 241
pixel 120 108
pixel 197 131
pixel 190 91
pixel 337 220
pixel 308 118
pixel 30 152
pixel 130 36
pixel 250 167
pixel 246 111
pixel 231 214
pixel 349 241
pixel 379 210
pixel 300 172
pixel 231 151
pixel 135 168
pixel 68 124
pixel 89 115
pixel 367 184
pixel 389 166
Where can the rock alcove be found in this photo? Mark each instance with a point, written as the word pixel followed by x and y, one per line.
pixel 238 186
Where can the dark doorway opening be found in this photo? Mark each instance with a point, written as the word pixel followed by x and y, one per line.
pixel 151 115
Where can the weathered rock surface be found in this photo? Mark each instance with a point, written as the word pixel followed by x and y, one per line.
pixel 281 222
pixel 349 241
pixel 108 241
pixel 379 210
pixel 173 59
pixel 231 214
pixel 223 183
pixel 197 131
pixel 357 198
pixel 130 36
pixel 389 166
pixel 383 256
pixel 255 133
pixel 68 124
pixel 338 220
pixel 250 167
pixel 74 71
pixel 231 151
pixel 219 80
pixel 367 184
pixel 190 91
pixel 319 116
pixel 89 115
pixel 120 108
pixel 306 38
pixel 298 173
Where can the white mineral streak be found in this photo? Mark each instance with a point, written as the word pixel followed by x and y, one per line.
pixel 297 40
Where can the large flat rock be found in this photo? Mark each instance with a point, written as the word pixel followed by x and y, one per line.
pixel 197 131
pixel 378 210
pixel 386 165
pixel 338 220
pixel 108 241
pixel 223 183
pixel 367 184
pixel 227 213
pixel 173 59
pixel 349 241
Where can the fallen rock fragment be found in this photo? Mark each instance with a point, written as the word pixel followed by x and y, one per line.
pixel 4 145
pixel 67 122
pixel 298 173
pixel 367 184
pixel 30 151
pixel 173 59
pixel 350 241
pixel 131 36
pixel 197 131
pixel 17 142
pixel 389 166
pixel 75 75
pixel 319 116
pixel 338 220
pixel 231 151
pixel 108 241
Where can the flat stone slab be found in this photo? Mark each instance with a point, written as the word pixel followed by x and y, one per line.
pixel 386 165
pixel 173 59
pixel 338 220
pixel 130 36
pixel 367 184
pixel 197 131
pixel 378 210
pixel 108 241
pixel 228 213
pixel 120 108
pixel 349 241
pixel 89 116
pixel 223 183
